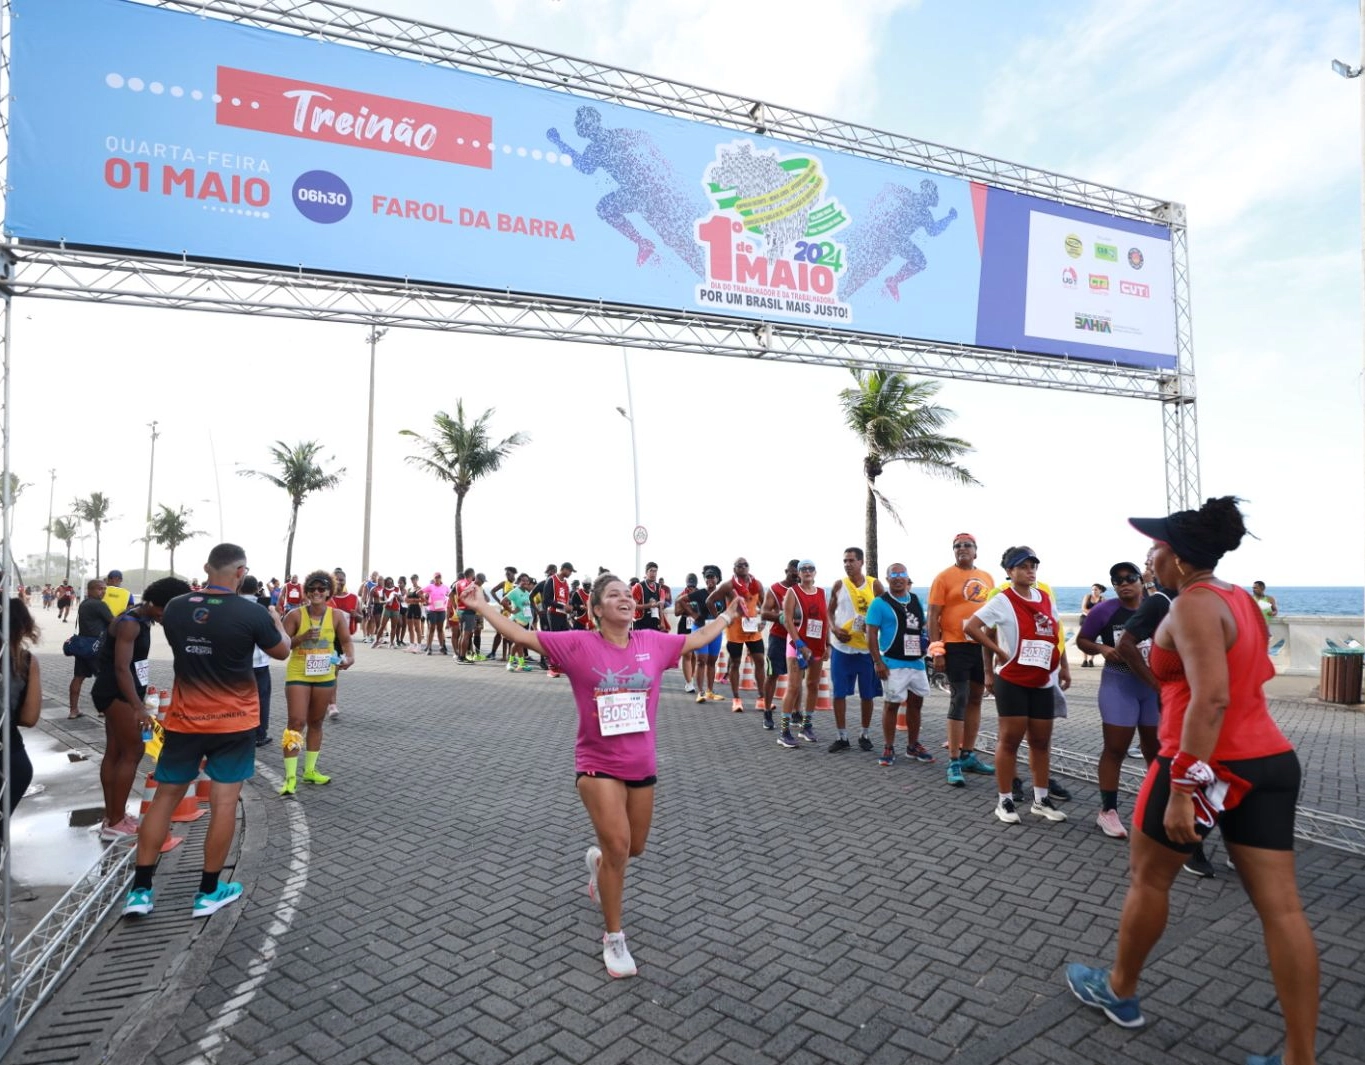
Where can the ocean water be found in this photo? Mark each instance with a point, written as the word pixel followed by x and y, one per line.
pixel 1292 601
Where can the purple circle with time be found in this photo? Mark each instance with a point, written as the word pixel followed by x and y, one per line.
pixel 322 197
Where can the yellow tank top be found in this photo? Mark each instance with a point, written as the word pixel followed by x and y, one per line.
pixel 850 613
pixel 116 599
pixel 311 661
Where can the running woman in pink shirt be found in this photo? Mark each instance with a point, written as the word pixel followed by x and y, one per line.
pixel 615 674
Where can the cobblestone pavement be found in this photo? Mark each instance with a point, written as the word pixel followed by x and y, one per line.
pixel 793 905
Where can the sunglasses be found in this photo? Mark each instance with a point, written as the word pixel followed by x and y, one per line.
pixel 898 573
pixel 1131 578
pixel 964 543
pixel 316 588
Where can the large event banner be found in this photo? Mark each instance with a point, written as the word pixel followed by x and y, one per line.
pixel 140 129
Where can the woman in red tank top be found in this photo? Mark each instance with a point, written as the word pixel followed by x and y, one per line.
pixel 1223 761
pixel 807 618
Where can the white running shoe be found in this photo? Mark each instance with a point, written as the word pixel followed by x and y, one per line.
pixel 1111 824
pixel 592 859
pixel 332 711
pixel 1043 808
pixel 691 689
pixel 1005 810
pixel 617 955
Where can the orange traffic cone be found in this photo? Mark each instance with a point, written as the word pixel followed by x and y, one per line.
pixel 826 699
pixel 746 676
pixel 722 666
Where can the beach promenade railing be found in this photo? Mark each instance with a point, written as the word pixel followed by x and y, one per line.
pixel 1312 826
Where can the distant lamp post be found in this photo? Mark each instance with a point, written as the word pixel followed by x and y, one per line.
pixel 47 555
pixel 376 335
pixel 1348 71
pixel 147 540
pixel 629 415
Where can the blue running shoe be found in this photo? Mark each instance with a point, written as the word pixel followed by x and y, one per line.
pixel 768 722
pixel 139 901
pixel 888 757
pixel 1091 986
pixel 786 739
pixel 955 777
pixel 918 753
pixel 808 732
pixel 205 904
pixel 973 764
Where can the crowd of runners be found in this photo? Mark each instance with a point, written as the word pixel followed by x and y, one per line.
pixel 1181 676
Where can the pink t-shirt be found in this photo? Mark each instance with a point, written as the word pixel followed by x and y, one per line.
pixel 596 667
pixel 437 596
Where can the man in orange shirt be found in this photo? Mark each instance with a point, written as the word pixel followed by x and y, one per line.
pixel 745 632
pixel 956 594
pixel 215 709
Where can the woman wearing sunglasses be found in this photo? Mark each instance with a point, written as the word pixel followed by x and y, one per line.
pixel 310 676
pixel 1127 703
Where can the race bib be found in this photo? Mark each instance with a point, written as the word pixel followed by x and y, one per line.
pixel 748 624
pixel 815 629
pixel 317 665
pixel 1037 653
pixel 142 671
pixel 622 712
pixel 911 645
pixel 859 623
pixel 1146 648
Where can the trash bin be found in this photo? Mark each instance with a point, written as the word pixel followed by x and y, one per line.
pixel 1340 675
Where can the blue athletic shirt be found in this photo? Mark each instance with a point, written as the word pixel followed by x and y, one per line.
pixel 881 615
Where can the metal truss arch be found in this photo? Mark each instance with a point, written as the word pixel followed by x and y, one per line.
pixel 135 280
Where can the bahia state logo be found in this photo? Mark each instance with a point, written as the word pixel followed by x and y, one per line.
pixel 1074 246
pixel 1108 253
pixel 1069 277
pixel 1135 259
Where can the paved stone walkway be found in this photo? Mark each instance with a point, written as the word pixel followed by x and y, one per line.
pixel 793 906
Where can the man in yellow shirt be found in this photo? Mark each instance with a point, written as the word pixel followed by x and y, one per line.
pixel 116 597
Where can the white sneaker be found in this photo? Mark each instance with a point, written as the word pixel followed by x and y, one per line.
pixel 1004 810
pixel 332 711
pixel 691 689
pixel 617 955
pixel 1111 824
pixel 1043 808
pixel 592 860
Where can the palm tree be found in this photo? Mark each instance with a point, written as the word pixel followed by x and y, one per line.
pixel 896 422
pixel 459 453
pixel 64 529
pixel 170 529
pixel 300 475
pixel 94 509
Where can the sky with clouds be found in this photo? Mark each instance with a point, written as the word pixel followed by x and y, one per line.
pixel 1241 119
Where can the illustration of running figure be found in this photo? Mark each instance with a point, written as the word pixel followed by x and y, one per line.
pixel 647 187
pixel 892 219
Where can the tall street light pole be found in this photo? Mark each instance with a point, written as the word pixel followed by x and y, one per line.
pixel 1348 71
pixel 47 553
pixel 147 540
pixel 376 335
pixel 629 415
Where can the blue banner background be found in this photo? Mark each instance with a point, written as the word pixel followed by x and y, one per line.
pixel 68 119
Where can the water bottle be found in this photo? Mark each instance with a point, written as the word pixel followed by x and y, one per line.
pixel 802 659
pixel 150 702
pixel 335 659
